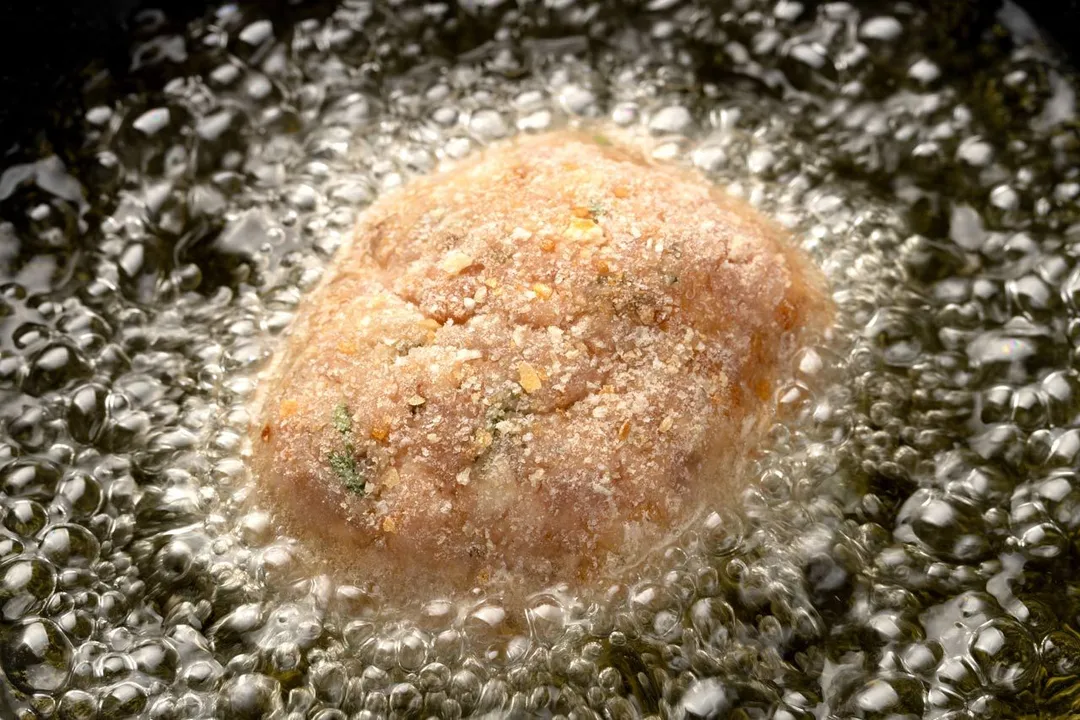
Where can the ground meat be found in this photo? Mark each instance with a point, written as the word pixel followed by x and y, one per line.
pixel 532 368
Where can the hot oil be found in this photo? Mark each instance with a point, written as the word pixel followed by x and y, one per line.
pixel 908 549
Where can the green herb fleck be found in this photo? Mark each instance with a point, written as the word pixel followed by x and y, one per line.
pixel 342 419
pixel 500 255
pixel 348 471
pixel 404 346
pixel 503 405
pixel 597 209
pixel 601 140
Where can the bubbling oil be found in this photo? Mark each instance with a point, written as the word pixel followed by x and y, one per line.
pixel 908 547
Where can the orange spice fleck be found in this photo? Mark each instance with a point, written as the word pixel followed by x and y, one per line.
pixel 380 431
pixel 288 408
pixel 580 211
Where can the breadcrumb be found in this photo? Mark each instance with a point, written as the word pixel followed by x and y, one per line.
pixel 528 378
pixel 455 261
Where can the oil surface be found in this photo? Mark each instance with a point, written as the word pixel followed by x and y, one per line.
pixel 909 549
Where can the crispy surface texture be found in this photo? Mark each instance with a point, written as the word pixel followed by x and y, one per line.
pixel 529 369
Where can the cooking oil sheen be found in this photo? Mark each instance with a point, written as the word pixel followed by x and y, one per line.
pixel 908 546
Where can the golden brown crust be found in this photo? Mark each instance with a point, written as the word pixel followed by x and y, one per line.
pixel 531 367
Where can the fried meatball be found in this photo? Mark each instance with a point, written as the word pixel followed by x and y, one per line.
pixel 534 367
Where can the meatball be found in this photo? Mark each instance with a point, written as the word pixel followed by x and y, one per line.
pixel 534 367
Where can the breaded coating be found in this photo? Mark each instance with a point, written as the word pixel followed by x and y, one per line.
pixel 532 368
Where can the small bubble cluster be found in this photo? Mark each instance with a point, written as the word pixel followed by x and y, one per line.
pixel 909 547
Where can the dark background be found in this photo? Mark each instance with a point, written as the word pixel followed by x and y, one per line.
pixel 1060 19
pixel 45 44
